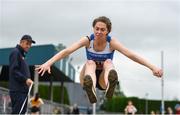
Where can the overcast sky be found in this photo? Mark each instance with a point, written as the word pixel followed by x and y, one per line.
pixel 144 26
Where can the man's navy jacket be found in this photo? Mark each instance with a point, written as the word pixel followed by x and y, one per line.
pixel 18 70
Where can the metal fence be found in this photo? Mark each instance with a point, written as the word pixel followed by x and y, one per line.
pixel 48 107
pixel 5 101
pixel 51 107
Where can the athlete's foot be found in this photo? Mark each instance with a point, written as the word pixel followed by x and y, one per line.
pixel 113 80
pixel 89 88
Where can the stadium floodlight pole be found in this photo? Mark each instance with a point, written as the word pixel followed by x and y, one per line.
pixel 162 84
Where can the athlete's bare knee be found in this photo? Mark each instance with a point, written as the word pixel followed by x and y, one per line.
pixel 108 62
pixel 90 62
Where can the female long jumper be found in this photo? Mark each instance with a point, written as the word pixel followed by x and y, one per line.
pixel 98 71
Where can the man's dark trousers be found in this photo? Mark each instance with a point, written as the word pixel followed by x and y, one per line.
pixel 17 100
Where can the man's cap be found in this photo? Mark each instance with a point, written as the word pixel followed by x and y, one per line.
pixel 28 37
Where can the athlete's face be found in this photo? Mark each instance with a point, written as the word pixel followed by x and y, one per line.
pixel 25 44
pixel 100 30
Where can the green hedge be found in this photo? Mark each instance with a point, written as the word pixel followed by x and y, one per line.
pixel 118 104
pixel 44 93
pixel 4 84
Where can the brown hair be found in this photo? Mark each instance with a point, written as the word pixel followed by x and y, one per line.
pixel 36 96
pixel 105 20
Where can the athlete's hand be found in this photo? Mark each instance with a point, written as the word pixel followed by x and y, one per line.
pixel 157 72
pixel 43 68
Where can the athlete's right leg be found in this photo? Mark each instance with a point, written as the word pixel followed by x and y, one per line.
pixel 88 80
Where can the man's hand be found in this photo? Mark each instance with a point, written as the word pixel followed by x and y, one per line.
pixel 29 82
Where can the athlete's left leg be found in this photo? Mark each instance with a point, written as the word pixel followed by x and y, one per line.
pixel 108 78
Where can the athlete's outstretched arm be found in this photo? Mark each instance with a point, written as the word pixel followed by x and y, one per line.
pixel 60 55
pixel 116 45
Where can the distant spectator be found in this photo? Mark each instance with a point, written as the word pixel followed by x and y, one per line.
pixel 177 108
pixel 169 111
pixel 89 110
pixel 130 108
pixel 56 110
pixel 157 112
pixel 153 113
pixel 70 110
pixel 75 109
pixel 36 103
